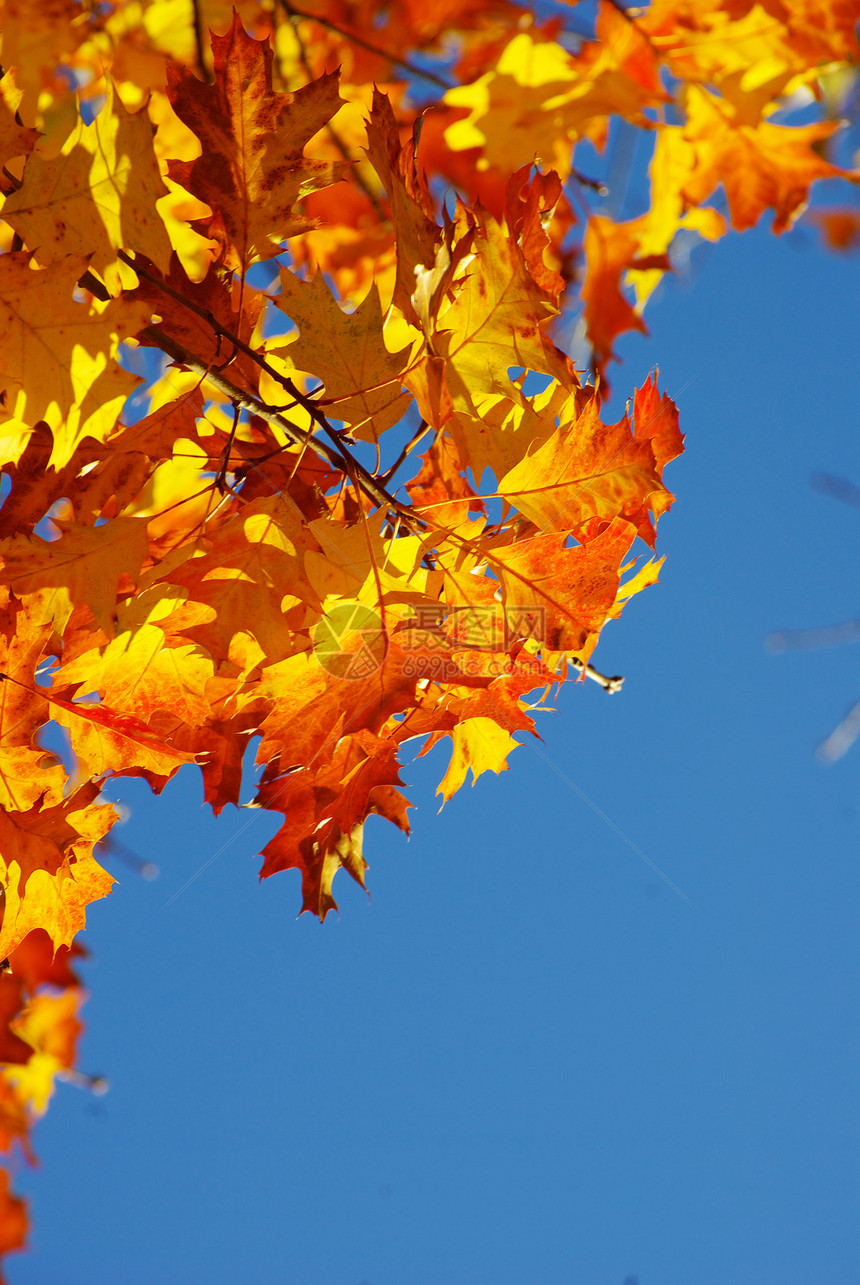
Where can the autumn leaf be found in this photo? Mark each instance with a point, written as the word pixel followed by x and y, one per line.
pixel 761 167
pixel 47 868
pixel 84 563
pixel 58 356
pixel 539 99
pixel 13 1217
pixel 749 52
pixel 479 745
pixel 588 470
pixel 839 228
pixel 36 964
pixel 363 504
pixel 50 1026
pixel 97 197
pixel 15 138
pixel 12 1047
pixel 416 230
pixel 253 169
pixel 610 250
pixel 347 352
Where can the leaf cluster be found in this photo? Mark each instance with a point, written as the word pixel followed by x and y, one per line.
pixel 362 497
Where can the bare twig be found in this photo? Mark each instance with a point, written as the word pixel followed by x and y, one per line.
pixel 839 487
pixel 423 428
pixel 609 685
pixel 406 63
pixel 199 43
pixel 336 456
pixel 810 639
pixel 841 738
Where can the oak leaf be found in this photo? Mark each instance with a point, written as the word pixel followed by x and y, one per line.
pixel 85 564
pixel 97 197
pixel 347 352
pixel 539 99
pixel 15 138
pixel 50 1026
pixel 57 355
pixel 588 469
pixel 13 1217
pixel 47 868
pixel 761 167
pixel 253 170
pixel 417 233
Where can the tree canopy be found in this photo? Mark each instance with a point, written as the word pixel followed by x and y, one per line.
pixel 293 454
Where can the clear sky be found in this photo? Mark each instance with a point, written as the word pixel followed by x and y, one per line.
pixel 528 1059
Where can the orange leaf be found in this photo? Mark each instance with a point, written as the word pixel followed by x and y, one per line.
pixel 253 169
pixel 47 868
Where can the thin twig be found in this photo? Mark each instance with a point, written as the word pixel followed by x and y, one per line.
pixel 199 43
pixel 389 473
pixel 341 146
pixel 365 44
pixel 610 685
pixel 205 315
pixel 841 738
pixel 336 456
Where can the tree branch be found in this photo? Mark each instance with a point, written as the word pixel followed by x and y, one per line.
pixel 365 44
pixel 336 456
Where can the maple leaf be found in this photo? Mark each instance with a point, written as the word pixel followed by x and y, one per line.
pixel 479 745
pixel 51 1027
pixel 57 355
pixel 588 469
pixel 84 564
pixel 15 138
pixel 149 688
pixel 186 311
pixel 325 815
pixel 242 558
pixel 13 1217
pixel 97 197
pixel 499 317
pixel 610 249
pixel 12 1047
pixel 762 167
pixel 573 588
pixel 253 169
pixel 539 98
pixel 750 52
pixel 46 867
pixel 840 228
pixel 347 352
pixel 35 963
pixel 417 232
pixel 254 576
pixel 25 633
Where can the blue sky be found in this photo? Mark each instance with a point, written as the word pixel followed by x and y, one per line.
pixel 527 1058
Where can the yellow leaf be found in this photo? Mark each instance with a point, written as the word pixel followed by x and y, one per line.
pixel 84 565
pixel 479 744
pixel 15 140
pixel 47 868
pixel 346 351
pixel 50 1024
pixel 58 357
pixel 765 167
pixel 538 100
pixel 98 196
